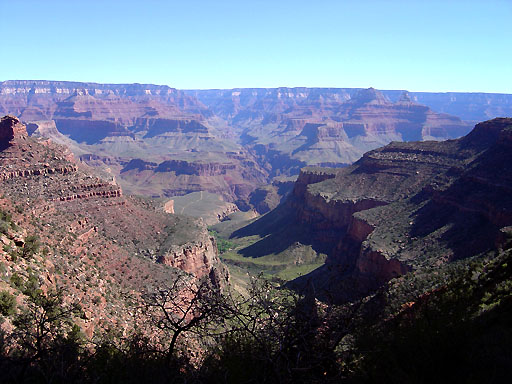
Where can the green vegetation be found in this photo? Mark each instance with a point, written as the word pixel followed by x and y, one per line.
pixel 287 265
pixel 31 246
pixel 16 281
pixel 223 245
pixel 7 304
pixel 4 227
pixel 5 222
pixel 459 332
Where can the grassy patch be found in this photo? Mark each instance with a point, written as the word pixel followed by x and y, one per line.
pixel 223 245
pixel 294 272
pixel 295 261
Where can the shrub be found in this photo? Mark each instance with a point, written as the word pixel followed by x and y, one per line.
pixel 7 303
pixel 4 227
pixel 31 246
pixel 5 222
pixel 16 280
pixel 223 245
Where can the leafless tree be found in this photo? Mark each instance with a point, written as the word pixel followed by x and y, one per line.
pixel 186 306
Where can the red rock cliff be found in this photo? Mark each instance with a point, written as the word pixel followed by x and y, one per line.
pixel 11 127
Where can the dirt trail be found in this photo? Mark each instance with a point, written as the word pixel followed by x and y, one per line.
pixel 192 202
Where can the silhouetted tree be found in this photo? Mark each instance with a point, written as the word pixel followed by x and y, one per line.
pixel 45 341
pixel 186 306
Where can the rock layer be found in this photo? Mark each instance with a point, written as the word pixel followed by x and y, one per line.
pixel 325 127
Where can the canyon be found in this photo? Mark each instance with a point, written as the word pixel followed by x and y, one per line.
pixel 116 127
pixel 381 235
pixel 162 142
pixel 286 153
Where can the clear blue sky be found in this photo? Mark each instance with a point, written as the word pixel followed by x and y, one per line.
pixel 427 45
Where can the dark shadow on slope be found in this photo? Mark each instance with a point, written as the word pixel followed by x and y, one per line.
pixel 270 223
pixel 310 132
pixel 91 131
pixel 279 230
pixel 4 145
pixel 477 205
pixel 468 233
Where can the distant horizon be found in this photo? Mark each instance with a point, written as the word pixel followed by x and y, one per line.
pixel 437 46
pixel 233 88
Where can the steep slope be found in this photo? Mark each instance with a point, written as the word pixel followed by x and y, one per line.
pixel 98 243
pixel 401 207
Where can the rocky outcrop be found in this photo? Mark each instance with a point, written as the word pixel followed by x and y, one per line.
pixel 199 259
pixel 195 259
pixel 42 128
pixel 309 176
pixel 169 207
pixel 10 128
pixel 41 176
pixel 222 214
pixel 95 193
pixel 379 268
pixel 359 229
pixel 6 174
pixel 321 213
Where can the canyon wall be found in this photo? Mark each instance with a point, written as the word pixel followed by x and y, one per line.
pixel 401 207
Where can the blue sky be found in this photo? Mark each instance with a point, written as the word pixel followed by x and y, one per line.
pixel 449 45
